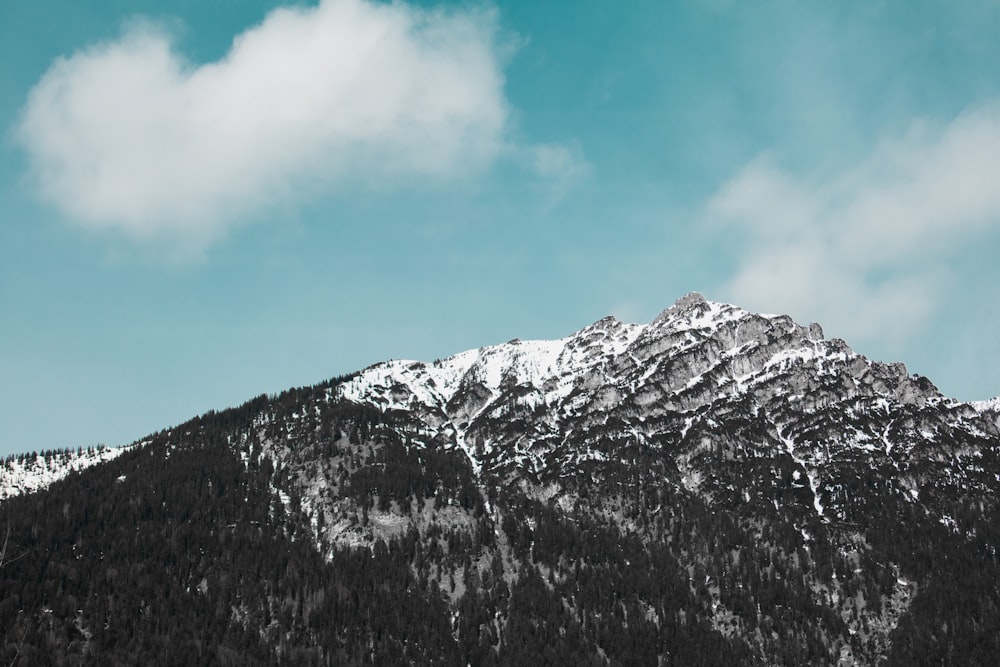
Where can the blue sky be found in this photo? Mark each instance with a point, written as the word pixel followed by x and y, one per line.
pixel 205 201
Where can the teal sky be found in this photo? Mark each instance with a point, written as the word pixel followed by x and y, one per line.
pixel 207 200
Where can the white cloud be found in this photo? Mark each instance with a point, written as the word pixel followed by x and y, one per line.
pixel 561 168
pixel 870 251
pixel 558 162
pixel 129 136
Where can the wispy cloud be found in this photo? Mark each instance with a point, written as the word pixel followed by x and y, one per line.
pixel 130 136
pixel 870 250
pixel 560 168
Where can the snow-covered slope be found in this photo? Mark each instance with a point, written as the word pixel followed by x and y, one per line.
pixel 27 474
pixel 992 405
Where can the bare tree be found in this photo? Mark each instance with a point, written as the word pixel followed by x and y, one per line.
pixel 5 559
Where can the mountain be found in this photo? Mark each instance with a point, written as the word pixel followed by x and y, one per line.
pixel 714 487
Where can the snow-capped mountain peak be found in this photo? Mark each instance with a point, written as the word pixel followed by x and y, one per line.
pixel 693 311
pixel 691 356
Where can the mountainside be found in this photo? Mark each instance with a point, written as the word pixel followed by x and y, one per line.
pixel 715 487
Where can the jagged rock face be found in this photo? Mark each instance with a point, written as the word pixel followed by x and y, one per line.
pixel 539 406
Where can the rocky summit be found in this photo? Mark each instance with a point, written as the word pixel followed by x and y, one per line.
pixel 714 487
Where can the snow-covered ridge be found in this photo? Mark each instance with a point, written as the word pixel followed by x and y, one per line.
pixel 699 337
pixel 532 362
pixel 691 355
pixel 27 474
